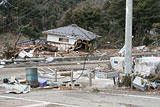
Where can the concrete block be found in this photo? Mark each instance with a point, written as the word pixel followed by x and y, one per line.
pixel 117 63
pixel 112 74
pixel 146 65
pixel 140 83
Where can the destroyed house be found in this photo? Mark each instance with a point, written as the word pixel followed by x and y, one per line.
pixel 70 36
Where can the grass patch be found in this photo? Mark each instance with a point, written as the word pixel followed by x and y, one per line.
pixel 95 90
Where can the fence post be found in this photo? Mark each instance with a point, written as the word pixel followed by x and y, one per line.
pixel 90 79
pixel 55 76
pixel 72 85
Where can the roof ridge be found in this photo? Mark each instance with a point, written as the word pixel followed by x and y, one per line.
pixel 82 32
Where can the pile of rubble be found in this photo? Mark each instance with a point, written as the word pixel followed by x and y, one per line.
pixel 145 72
pixel 37 50
pixel 49 78
pixel 43 80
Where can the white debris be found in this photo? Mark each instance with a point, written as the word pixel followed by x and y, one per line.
pixel 121 52
pixel 49 59
pixel 145 49
pixel 1 66
pixel 146 65
pixel 15 88
pixel 154 85
pixel 117 63
pixel 12 80
pixel 49 75
pixel 30 54
pixel 2 63
pixel 100 75
pixel 140 47
pixel 78 63
pixel 140 83
pixel 24 54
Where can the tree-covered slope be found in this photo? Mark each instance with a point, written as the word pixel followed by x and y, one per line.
pixel 105 17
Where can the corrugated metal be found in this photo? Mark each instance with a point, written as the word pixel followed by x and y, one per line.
pixel 73 31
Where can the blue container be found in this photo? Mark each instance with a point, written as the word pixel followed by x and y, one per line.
pixel 42 82
pixel 32 77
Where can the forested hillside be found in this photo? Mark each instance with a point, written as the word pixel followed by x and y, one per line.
pixel 104 17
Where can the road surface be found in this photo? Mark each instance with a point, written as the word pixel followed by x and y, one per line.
pixel 75 98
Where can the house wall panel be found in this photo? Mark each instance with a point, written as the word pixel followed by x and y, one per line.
pixel 72 41
pixel 52 38
pixel 61 45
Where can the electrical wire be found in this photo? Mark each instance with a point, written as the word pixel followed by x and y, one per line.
pixel 83 67
pixel 46 1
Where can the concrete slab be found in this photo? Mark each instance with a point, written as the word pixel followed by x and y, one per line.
pixel 146 65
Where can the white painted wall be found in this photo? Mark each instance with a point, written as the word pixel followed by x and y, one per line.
pixel 54 38
pixel 72 41
pixel 62 45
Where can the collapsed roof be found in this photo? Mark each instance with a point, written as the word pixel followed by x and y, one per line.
pixel 73 31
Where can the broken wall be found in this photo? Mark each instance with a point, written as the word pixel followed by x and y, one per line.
pixel 146 65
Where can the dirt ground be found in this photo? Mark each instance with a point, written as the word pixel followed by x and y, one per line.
pixel 10 38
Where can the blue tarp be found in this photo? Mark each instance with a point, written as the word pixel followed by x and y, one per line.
pixel 42 82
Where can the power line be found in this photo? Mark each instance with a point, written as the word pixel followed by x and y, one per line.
pixel 85 59
pixel 15 21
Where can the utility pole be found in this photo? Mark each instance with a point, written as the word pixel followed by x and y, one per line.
pixel 128 37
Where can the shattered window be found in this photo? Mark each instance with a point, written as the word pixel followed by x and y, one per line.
pixel 63 40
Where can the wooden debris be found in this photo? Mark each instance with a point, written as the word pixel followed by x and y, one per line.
pixel 65 88
pixel 65 73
